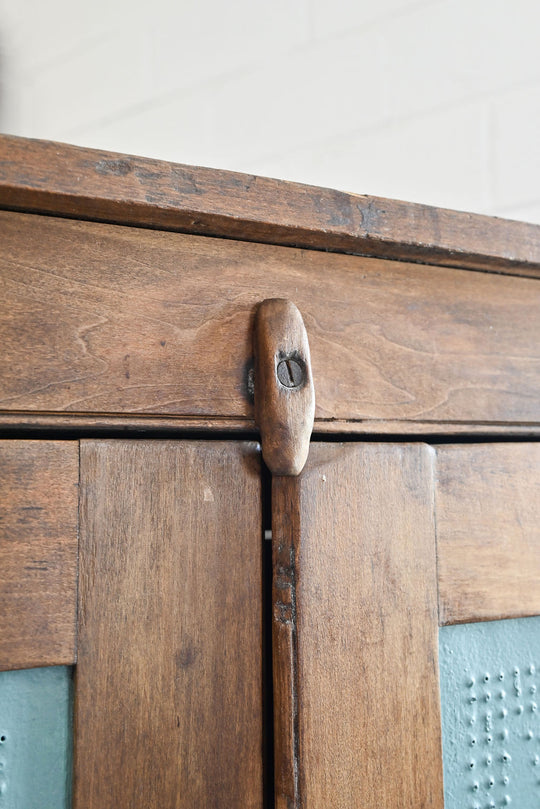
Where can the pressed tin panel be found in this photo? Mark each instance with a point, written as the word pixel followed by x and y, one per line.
pixel 35 738
pixel 490 689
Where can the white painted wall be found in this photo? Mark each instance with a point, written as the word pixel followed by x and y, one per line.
pixel 435 101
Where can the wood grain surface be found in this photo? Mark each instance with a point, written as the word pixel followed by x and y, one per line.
pixel 360 572
pixel 66 180
pixel 286 521
pixel 168 705
pixel 38 552
pixel 488 531
pixel 105 320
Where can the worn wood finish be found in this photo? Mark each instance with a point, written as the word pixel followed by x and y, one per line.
pixel 38 552
pixel 283 381
pixel 66 180
pixel 357 550
pixel 286 517
pixel 168 682
pixel 488 531
pixel 105 320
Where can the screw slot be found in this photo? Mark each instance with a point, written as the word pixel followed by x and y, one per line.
pixel 290 372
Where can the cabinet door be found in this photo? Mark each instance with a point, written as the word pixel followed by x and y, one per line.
pixel 375 545
pixel 168 676
pixel 371 542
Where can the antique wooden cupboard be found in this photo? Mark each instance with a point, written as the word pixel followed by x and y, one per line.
pixel 136 501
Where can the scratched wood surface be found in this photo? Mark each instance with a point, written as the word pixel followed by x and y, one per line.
pixel 168 706
pixel 488 531
pixel 38 552
pixel 88 183
pixel 355 616
pixel 106 320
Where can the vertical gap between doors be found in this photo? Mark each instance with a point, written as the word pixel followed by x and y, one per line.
pixel 267 665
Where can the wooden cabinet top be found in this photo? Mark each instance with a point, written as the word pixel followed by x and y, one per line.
pixel 130 288
pixel 64 180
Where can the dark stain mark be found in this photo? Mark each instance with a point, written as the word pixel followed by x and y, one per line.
pixel 145 175
pixel 118 167
pixel 370 216
pixel 162 342
pixel 250 181
pixel 186 656
pixel 283 613
pixel 247 388
pixel 341 214
pixel 184 182
pixel 337 213
pixel 126 366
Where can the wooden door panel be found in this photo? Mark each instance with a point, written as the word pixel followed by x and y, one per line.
pixel 168 682
pixel 38 552
pixel 488 531
pixel 355 630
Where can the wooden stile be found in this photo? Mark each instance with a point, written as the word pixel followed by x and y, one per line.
pixel 168 706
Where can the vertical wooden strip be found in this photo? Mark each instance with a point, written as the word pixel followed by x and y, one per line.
pixel 168 683
pixel 38 552
pixel 285 525
pixel 366 627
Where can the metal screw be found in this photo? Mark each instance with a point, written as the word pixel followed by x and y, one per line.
pixel 290 373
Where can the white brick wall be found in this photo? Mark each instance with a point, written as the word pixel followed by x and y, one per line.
pixel 435 101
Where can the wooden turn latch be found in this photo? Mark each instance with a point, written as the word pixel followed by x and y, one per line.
pixel 284 392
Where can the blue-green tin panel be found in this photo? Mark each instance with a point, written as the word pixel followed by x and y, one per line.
pixel 35 738
pixel 490 691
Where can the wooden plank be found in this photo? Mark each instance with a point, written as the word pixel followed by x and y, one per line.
pixel 109 320
pixel 168 704
pixel 356 560
pixel 488 531
pixel 58 179
pixel 38 552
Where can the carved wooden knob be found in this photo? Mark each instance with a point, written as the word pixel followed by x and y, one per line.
pixel 284 393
